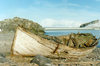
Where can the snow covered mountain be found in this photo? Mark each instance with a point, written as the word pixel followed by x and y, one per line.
pixel 92 24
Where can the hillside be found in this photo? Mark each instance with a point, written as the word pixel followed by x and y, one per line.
pixel 10 25
pixel 92 24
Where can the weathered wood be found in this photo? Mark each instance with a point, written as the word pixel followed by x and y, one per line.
pixel 90 63
pixel 27 44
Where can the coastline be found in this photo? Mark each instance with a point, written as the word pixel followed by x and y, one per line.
pixel 6 42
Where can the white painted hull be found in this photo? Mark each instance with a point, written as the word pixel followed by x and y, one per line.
pixel 27 45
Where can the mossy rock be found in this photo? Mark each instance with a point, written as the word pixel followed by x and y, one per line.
pixel 9 25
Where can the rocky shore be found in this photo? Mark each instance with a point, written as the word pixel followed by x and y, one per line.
pixel 7 60
pixel 73 41
pixel 91 59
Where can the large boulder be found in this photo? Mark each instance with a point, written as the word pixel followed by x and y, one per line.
pixel 2 58
pixel 41 61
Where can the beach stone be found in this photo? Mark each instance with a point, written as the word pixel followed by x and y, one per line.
pixel 2 55
pixel 41 61
pixel 3 60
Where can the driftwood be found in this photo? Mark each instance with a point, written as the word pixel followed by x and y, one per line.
pixel 27 44
pixel 80 40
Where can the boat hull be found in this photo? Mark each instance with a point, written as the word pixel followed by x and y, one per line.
pixel 27 44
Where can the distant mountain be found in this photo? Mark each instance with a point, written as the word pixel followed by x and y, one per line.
pixel 92 24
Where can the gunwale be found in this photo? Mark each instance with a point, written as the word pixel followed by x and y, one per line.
pixel 70 49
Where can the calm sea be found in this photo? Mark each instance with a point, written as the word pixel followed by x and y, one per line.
pixel 65 32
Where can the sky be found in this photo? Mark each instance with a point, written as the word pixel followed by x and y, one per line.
pixel 52 13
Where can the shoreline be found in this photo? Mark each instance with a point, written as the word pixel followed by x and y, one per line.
pixel 6 42
pixel 90 59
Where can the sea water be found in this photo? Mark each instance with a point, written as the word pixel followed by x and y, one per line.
pixel 66 32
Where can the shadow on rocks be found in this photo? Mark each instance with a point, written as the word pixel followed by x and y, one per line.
pixel 2 58
pixel 41 61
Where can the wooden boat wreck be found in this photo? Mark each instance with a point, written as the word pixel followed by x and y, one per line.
pixel 27 44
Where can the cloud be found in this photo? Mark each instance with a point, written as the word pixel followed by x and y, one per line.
pixel 74 5
pixel 55 17
pixel 48 14
pixel 97 0
pixel 52 3
pixel 59 23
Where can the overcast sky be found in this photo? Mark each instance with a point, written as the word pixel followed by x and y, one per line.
pixel 52 13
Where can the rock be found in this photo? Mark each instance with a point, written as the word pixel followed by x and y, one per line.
pixel 10 25
pixel 3 60
pixel 41 61
pixel 2 55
